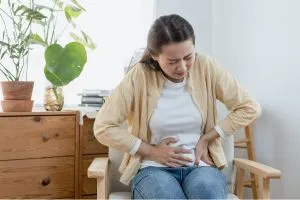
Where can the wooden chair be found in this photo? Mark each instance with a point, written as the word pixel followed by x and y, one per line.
pixel 105 170
pixel 247 144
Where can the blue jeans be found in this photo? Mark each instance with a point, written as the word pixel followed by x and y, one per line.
pixel 179 183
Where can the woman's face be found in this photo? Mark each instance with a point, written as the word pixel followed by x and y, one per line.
pixel 176 59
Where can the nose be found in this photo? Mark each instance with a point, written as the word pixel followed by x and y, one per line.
pixel 181 67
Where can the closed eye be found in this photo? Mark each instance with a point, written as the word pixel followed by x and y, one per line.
pixel 174 62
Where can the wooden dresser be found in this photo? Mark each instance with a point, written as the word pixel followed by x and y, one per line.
pixel 46 154
pixel 89 149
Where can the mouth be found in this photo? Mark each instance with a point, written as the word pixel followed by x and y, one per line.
pixel 180 74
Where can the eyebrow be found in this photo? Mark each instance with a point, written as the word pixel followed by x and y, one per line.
pixel 170 59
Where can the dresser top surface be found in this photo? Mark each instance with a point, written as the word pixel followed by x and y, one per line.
pixel 38 111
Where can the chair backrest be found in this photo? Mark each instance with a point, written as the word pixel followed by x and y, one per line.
pixel 116 156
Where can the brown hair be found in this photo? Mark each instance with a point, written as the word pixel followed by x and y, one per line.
pixel 165 30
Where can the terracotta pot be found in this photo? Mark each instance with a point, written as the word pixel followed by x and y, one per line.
pixel 17 105
pixel 17 90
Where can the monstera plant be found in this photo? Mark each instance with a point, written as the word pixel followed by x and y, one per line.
pixel 62 64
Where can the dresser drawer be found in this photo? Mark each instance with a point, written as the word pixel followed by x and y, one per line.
pixel 89 185
pixel 37 178
pixel 37 136
pixel 90 143
pixel 90 197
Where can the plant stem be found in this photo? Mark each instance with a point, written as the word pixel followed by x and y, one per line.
pixel 48 26
pixel 5 27
pixel 53 30
pixel 57 96
pixel 26 71
pixel 29 25
pixel 7 74
pixel 62 32
pixel 8 15
pixel 7 71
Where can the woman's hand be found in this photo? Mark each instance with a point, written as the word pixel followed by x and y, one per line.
pixel 202 152
pixel 169 156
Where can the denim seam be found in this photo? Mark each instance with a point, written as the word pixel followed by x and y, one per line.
pixel 137 190
pixel 181 179
pixel 146 175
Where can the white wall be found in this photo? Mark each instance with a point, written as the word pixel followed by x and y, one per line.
pixel 258 42
pixel 117 27
pixel 197 12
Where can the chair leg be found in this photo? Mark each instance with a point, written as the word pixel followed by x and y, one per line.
pixel 264 188
pixel 101 188
pixel 254 185
pixel 239 189
pixel 251 156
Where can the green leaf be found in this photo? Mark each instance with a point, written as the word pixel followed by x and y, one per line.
pixel 52 77
pixel 36 39
pixel 86 40
pixel 59 3
pixel 20 8
pixel 78 5
pixel 3 54
pixel 14 56
pixel 35 15
pixel 41 7
pixel 72 12
pixel 41 22
pixel 4 43
pixel 64 64
pixel 29 13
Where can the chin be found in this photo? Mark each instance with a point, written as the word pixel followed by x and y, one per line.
pixel 180 77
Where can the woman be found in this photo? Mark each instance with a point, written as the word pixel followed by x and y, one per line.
pixel 172 147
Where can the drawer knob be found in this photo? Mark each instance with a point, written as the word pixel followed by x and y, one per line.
pixel 37 119
pixel 46 181
pixel 45 138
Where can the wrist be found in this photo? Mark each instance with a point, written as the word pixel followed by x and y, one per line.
pixel 146 150
pixel 204 139
pixel 210 136
pixel 151 151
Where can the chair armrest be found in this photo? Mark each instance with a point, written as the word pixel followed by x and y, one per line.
pixel 257 168
pixel 98 168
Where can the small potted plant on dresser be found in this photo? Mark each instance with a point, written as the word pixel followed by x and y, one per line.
pixel 62 64
pixel 15 40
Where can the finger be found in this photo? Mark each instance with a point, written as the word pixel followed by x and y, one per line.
pixel 182 150
pixel 182 158
pixel 169 140
pixel 197 160
pixel 207 160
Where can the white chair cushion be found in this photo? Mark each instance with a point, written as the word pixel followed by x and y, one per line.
pixel 120 195
pixel 231 196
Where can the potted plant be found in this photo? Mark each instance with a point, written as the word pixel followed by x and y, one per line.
pixel 63 64
pixel 15 40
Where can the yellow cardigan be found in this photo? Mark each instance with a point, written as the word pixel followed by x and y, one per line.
pixel 135 97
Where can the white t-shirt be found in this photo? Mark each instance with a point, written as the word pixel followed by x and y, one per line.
pixel 175 115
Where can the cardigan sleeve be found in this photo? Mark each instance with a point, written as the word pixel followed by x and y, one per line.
pixel 243 108
pixel 107 126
